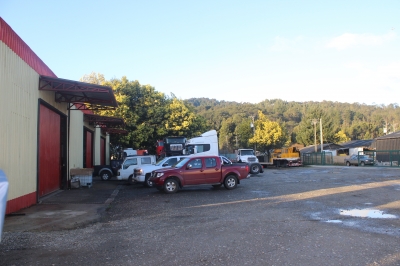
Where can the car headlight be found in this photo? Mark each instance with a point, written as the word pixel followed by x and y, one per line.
pixel 159 174
pixel 138 171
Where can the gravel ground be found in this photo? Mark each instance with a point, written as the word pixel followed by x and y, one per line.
pixel 285 216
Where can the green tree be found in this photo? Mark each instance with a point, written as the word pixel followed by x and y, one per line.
pixel 305 129
pixel 243 132
pixel 149 115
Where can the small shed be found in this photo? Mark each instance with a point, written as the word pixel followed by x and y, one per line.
pixel 354 146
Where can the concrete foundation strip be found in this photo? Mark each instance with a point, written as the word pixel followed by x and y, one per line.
pixel 113 195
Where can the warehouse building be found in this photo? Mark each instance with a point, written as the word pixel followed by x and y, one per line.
pixel 47 125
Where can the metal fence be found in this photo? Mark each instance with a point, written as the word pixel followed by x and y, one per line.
pixel 384 158
pixel 317 158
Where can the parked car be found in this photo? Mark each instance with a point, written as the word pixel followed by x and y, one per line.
pixel 106 172
pixel 142 174
pixel 359 159
pixel 130 163
pixel 199 170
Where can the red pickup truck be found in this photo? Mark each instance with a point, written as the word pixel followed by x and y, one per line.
pixel 199 170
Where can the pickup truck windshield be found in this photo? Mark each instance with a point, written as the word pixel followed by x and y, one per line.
pixel 246 152
pixel 162 161
pixel 182 162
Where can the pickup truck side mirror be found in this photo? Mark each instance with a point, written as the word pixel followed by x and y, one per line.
pixel 165 164
pixel 189 166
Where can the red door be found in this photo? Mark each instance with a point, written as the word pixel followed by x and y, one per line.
pixel 212 170
pixel 194 175
pixel 49 151
pixel 89 150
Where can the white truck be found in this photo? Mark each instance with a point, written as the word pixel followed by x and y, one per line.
pixel 246 156
pixel 142 174
pixel 130 163
pixel 205 144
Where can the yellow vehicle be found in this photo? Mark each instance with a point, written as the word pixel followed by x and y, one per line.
pixel 286 157
pixel 291 152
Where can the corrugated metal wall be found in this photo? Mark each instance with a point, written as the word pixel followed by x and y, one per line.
pixel 76 139
pixel 388 144
pixel 22 50
pixel 18 123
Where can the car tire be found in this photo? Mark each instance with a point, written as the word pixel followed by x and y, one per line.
pixel 362 164
pixel 129 181
pixel 171 186
pixel 348 163
pixel 105 175
pixel 147 182
pixel 230 182
pixel 254 169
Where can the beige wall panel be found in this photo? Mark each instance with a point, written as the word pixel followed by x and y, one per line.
pixel 48 97
pixel 107 149
pixel 96 145
pixel 18 120
pixel 76 139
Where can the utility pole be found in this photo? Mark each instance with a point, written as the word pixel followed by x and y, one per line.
pixel 254 130
pixel 320 130
pixel 315 121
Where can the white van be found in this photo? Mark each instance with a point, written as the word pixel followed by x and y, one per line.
pixel 130 163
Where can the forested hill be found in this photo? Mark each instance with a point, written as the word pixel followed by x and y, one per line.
pixel 341 121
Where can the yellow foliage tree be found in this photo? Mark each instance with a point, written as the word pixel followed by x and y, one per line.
pixel 341 137
pixel 268 134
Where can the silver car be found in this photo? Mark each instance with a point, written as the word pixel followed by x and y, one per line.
pixel 359 159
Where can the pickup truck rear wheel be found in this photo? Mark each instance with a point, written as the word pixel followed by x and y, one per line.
pixel 348 163
pixel 147 182
pixel 105 175
pixel 171 186
pixel 255 169
pixel 230 182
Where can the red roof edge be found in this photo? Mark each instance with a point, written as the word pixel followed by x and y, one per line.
pixel 18 46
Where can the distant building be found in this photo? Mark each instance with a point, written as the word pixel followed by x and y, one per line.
pixel 355 146
pixel 388 142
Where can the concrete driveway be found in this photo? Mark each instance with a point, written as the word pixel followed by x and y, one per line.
pixel 285 216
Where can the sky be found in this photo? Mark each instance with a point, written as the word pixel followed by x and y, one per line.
pixel 242 51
